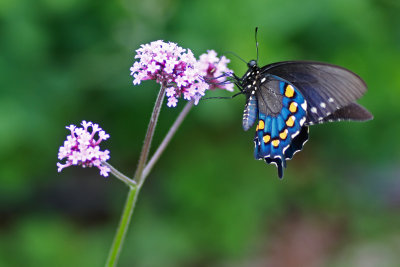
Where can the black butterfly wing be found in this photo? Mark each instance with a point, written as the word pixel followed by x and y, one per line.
pixel 352 111
pixel 330 91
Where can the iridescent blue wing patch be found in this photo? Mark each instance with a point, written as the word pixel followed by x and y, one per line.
pixel 282 112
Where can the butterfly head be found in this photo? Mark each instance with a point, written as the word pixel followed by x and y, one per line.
pixel 249 80
pixel 252 63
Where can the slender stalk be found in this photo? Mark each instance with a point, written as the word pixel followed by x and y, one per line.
pixel 130 204
pixel 119 175
pixel 134 190
pixel 167 139
pixel 149 136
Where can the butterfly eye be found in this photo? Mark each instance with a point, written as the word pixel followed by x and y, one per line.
pixel 251 63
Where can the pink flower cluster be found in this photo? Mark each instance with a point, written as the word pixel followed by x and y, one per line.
pixel 177 68
pixel 81 148
pixel 215 70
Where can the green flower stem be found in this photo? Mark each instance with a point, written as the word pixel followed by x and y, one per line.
pixel 167 139
pixel 134 190
pixel 120 176
pixel 123 227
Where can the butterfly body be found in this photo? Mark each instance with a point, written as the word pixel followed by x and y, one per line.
pixel 284 98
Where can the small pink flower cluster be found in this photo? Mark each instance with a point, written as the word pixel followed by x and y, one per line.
pixel 178 69
pixel 214 70
pixel 81 148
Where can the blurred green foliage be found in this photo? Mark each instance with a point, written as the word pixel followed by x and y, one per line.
pixel 207 202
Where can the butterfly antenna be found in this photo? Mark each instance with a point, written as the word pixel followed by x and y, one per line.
pixel 236 55
pixel 256 44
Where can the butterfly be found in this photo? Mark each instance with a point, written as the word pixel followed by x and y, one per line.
pixel 283 99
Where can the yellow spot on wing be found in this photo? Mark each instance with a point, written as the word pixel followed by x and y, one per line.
pixel 283 134
pixel 275 143
pixel 261 125
pixel 289 91
pixel 290 121
pixel 266 138
pixel 293 107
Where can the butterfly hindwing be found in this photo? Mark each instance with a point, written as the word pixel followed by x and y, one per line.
pixel 297 143
pixel 281 115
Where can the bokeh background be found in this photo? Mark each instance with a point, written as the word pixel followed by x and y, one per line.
pixel 207 202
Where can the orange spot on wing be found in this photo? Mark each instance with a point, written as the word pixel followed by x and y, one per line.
pixel 289 91
pixel 275 143
pixel 290 121
pixel 283 134
pixel 261 125
pixel 293 107
pixel 266 138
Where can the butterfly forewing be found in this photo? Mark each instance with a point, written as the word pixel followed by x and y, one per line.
pixel 326 87
pixel 352 111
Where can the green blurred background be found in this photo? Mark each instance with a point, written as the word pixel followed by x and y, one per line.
pixel 207 202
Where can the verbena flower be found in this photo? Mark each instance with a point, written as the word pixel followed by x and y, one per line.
pixel 177 68
pixel 215 70
pixel 82 148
